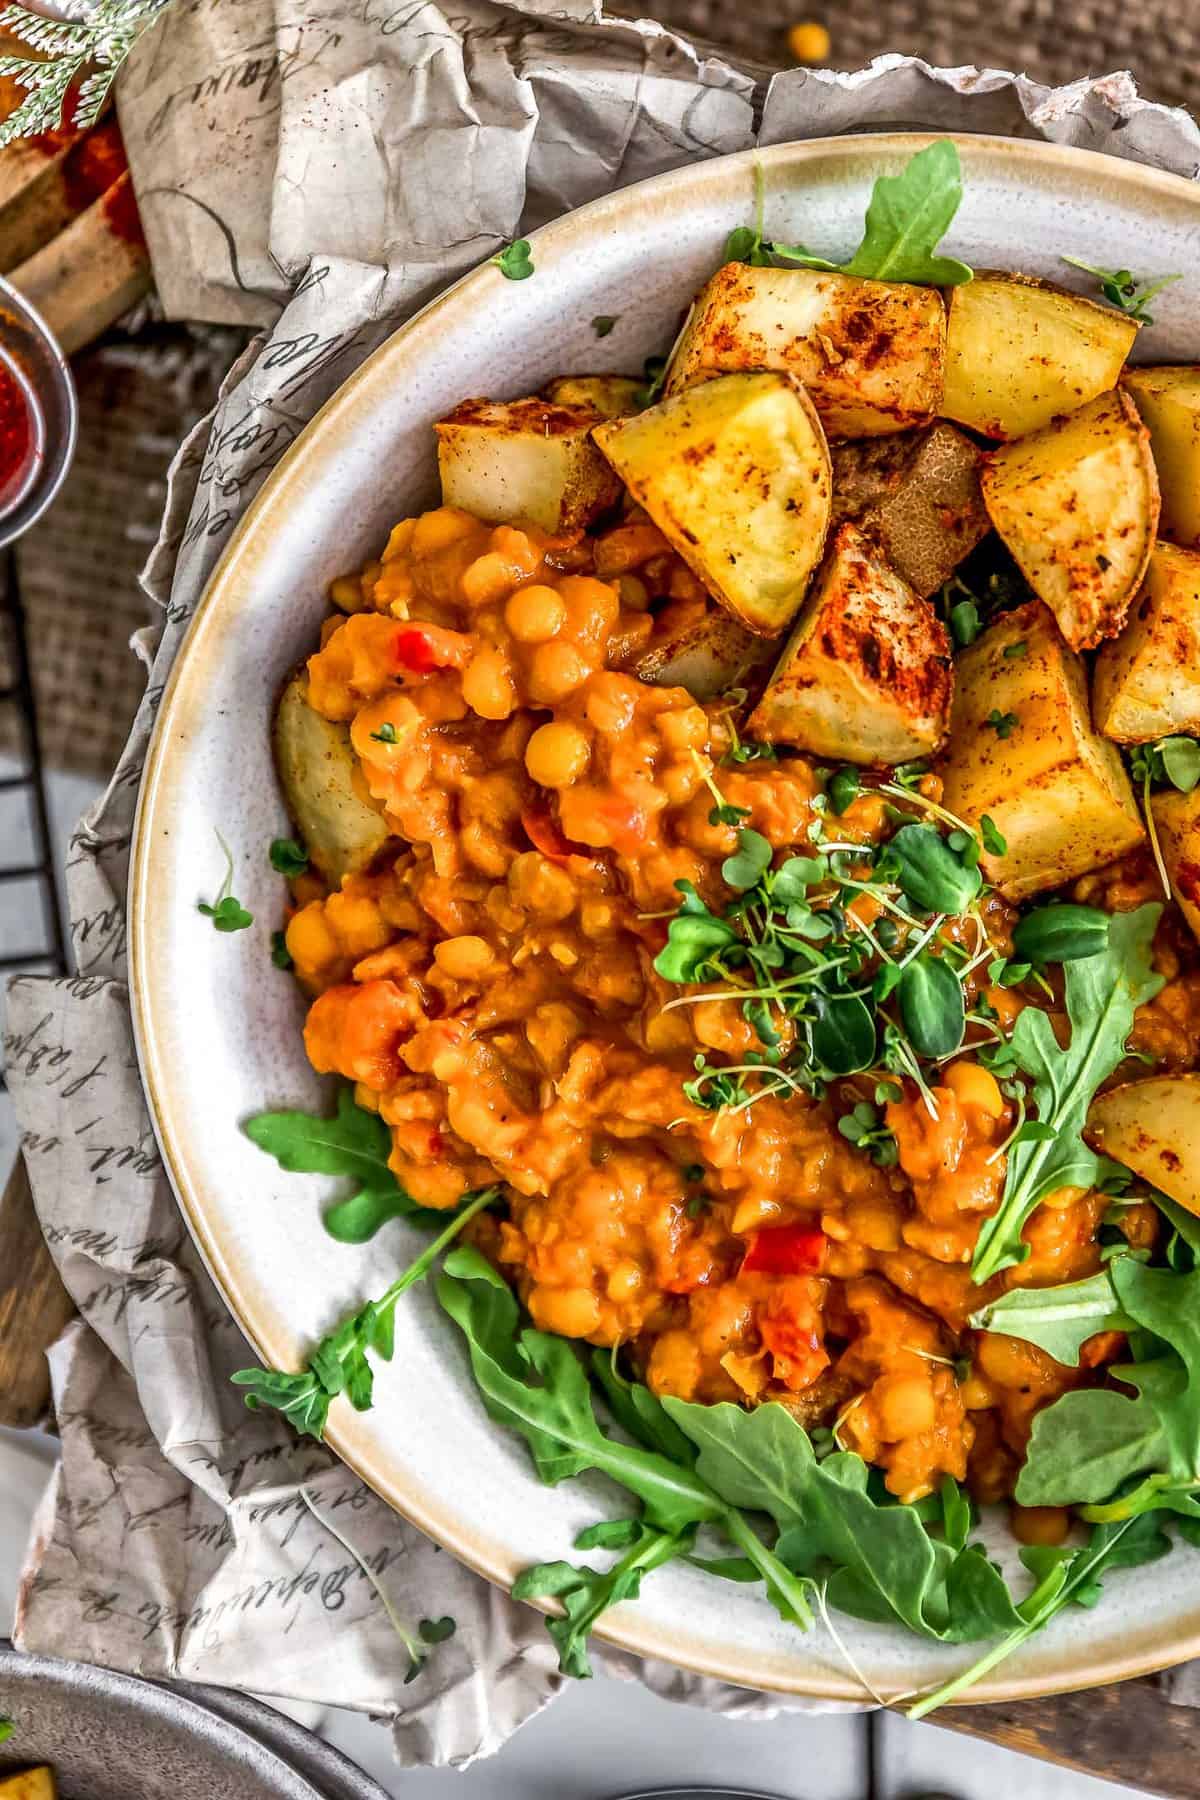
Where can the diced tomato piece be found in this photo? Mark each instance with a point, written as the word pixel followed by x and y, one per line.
pixel 546 834
pixel 414 652
pixel 786 1250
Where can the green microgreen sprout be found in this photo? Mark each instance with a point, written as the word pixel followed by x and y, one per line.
pixel 1129 292
pixel 514 261
pixel 226 912
pixel 1170 761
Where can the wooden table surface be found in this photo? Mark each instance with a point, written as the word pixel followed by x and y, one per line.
pixel 1128 1733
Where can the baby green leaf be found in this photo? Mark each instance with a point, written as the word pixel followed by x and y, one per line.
pixel 288 857
pixel 1059 1320
pixel 908 216
pixel 753 856
pixel 931 875
pixel 515 261
pixel 845 784
pixel 931 1006
pixel 1130 292
pixel 843 1033
pixel 585 1593
pixel 226 913
pixel 436 1631
pixel 1061 933
pixel 281 956
pixel 694 940
pixel 1003 724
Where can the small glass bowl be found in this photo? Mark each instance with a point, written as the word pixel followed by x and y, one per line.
pixel 33 359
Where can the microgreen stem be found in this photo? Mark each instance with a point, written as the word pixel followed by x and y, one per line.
pixel 1152 830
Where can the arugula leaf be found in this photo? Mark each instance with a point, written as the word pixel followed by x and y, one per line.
pixel 1091 1440
pixel 339 1364
pixel 1102 994
pixel 1169 1306
pixel 908 216
pixel 1069 1579
pixel 535 1385
pixel 1059 1320
pixel 356 1143
pixel 885 1564
pixel 585 1593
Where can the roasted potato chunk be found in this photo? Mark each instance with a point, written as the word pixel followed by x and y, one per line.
pixel 1146 683
pixel 1023 751
pixel 317 771
pixel 917 494
pixel 869 352
pixel 1153 1127
pixel 1169 401
pixel 865 676
pixel 707 658
pixel 1019 352
pixel 735 474
pixel 612 396
pixel 525 459
pixel 30 1784
pixel 1176 819
pixel 1077 504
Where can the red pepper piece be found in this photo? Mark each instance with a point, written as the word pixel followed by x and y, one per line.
pixel 786 1250
pixel 414 652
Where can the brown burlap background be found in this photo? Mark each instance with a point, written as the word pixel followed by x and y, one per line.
pixel 140 392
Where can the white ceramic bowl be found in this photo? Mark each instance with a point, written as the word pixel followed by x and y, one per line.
pixel 219 1029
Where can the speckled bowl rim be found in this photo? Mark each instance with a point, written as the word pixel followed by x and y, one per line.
pixel 563 238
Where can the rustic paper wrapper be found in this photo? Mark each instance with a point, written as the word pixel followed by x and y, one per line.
pixel 320 171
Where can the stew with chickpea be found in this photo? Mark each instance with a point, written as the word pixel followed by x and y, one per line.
pixel 747 883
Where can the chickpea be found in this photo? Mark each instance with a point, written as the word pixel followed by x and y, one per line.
pixel 973 1085
pixel 557 670
pixel 557 754
pixel 571 1312
pixel 904 1406
pixel 625 1280
pixel 1040 1524
pixel 463 958
pixel 809 42
pixel 433 531
pixel 488 687
pixel 346 593
pixel 535 614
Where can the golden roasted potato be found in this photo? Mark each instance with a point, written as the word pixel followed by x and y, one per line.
pixel 1077 504
pixel 1169 401
pixel 525 459
pixel 30 1784
pixel 1176 819
pixel 612 396
pixel 317 770
pixel 1023 751
pixel 735 474
pixel 917 493
pixel 1153 1127
pixel 1146 683
pixel 707 659
pixel 865 676
pixel 1019 352
pixel 869 352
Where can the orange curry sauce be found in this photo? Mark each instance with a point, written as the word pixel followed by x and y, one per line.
pixel 489 988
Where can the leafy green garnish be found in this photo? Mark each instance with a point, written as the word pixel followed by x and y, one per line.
pixel 1003 724
pixel 584 1593
pixel 1130 292
pixel 386 733
pixel 603 323
pixel 932 1006
pixel 1061 933
pixel 515 261
pixel 357 1144
pixel 843 788
pixel 1102 994
pixel 931 874
pixel 339 1364
pixel 1174 762
pixel 436 1631
pixel 281 956
pixel 863 1128
pixel 1059 1320
pixel 907 217
pixel 287 857
pixel 6 1730
pixel 226 912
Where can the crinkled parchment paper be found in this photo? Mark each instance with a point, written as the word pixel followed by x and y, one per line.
pixel 318 171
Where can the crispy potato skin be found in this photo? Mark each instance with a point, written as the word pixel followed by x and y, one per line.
pixel 1077 504
pixel 316 768
pixel 1168 399
pixel 917 494
pixel 611 396
pixel 1146 683
pixel 1020 352
pixel 1056 791
pixel 735 473
pixel 1177 825
pixel 865 676
pixel 525 459
pixel 1153 1128
pixel 869 352
pixel 713 655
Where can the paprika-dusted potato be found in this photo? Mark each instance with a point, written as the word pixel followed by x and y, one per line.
pixel 612 396
pixel 707 657
pixel 1176 819
pixel 1153 1128
pixel 917 493
pixel 530 459
pixel 735 474
pixel 1023 751
pixel 869 352
pixel 865 676
pixel 1169 401
pixel 30 1784
pixel 1020 352
pixel 1077 504
pixel 1146 683
pixel 317 771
